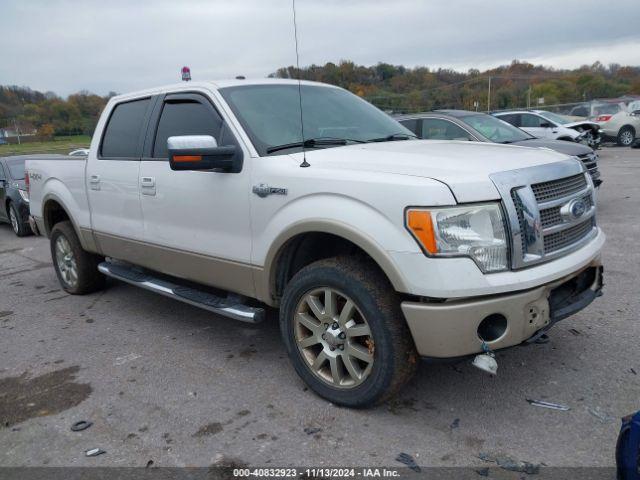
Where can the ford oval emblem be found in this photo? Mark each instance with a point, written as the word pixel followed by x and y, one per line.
pixel 577 208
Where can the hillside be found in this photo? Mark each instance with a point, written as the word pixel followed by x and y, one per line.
pixel 398 88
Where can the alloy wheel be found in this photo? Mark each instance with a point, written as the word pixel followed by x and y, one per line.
pixel 66 262
pixel 334 338
pixel 626 138
pixel 14 220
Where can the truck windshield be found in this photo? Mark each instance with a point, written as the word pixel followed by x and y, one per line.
pixel 270 114
pixel 495 129
pixel 16 169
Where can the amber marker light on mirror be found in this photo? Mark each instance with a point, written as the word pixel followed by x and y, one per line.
pixel 421 225
pixel 187 158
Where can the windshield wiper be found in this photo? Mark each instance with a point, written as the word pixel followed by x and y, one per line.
pixel 393 137
pixel 313 143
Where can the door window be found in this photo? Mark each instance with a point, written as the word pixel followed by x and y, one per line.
pixel 438 129
pixel 122 135
pixel 533 121
pixel 185 118
pixel 412 125
pixel 512 118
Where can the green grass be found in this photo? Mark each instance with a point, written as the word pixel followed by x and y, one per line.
pixel 60 145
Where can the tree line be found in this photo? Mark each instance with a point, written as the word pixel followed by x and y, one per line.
pixel 47 114
pixel 402 89
pixel 390 87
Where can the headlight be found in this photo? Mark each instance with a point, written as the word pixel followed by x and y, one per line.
pixel 475 231
pixel 24 194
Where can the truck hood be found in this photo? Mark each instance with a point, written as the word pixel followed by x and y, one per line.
pixel 463 166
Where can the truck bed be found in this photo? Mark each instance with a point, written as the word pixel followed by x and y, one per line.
pixel 64 177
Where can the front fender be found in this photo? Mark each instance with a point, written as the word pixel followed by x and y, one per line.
pixel 368 228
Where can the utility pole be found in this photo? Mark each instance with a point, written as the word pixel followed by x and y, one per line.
pixel 529 97
pixel 489 97
pixel 15 126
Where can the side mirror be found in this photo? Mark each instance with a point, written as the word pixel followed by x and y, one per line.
pixel 545 125
pixel 201 152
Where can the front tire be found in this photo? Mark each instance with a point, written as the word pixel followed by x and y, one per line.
pixel 345 333
pixel 626 136
pixel 77 269
pixel 20 228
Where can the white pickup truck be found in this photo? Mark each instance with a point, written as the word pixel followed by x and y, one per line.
pixel 377 248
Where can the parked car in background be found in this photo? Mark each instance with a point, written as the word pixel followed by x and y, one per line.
pixel 552 126
pixel 14 199
pixel 619 123
pixel 80 152
pixel 481 127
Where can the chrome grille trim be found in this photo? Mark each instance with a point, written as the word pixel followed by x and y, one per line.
pixel 565 238
pixel 539 205
pixel 558 189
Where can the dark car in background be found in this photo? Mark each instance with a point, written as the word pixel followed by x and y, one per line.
pixel 481 127
pixel 14 198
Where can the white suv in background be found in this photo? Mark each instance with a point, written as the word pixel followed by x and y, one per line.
pixel 551 126
pixel 618 122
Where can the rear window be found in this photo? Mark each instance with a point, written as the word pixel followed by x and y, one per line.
pixel 122 135
pixel 16 169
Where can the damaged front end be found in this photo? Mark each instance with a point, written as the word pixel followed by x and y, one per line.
pixel 590 133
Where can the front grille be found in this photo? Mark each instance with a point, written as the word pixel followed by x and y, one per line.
pixel 555 189
pixel 591 162
pixel 564 238
pixel 551 216
pixel 542 220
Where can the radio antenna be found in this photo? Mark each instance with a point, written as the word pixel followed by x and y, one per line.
pixel 304 163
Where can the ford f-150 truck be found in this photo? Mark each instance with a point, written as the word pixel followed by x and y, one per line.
pixel 377 248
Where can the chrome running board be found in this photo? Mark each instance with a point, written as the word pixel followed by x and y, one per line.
pixel 230 306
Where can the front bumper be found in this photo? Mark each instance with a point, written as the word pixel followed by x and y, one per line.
pixel 450 329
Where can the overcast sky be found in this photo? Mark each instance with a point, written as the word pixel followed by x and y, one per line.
pixel 118 45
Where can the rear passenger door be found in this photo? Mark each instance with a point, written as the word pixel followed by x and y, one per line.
pixel 112 179
pixel 196 223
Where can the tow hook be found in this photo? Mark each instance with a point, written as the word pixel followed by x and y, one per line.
pixel 486 361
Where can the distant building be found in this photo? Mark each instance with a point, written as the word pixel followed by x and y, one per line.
pixel 10 132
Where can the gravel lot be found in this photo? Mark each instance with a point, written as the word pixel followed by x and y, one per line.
pixel 167 382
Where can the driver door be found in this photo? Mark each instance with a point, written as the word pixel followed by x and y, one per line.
pixel 196 223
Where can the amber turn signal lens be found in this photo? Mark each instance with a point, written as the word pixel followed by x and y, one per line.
pixel 187 158
pixel 421 224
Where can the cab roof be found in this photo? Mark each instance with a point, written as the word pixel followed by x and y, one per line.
pixel 215 85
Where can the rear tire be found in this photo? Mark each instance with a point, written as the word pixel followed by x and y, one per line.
pixel 77 269
pixel 353 354
pixel 20 228
pixel 626 136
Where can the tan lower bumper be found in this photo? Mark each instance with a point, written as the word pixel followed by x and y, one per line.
pixel 450 329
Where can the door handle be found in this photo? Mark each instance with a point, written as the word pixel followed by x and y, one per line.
pixel 148 185
pixel 94 180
